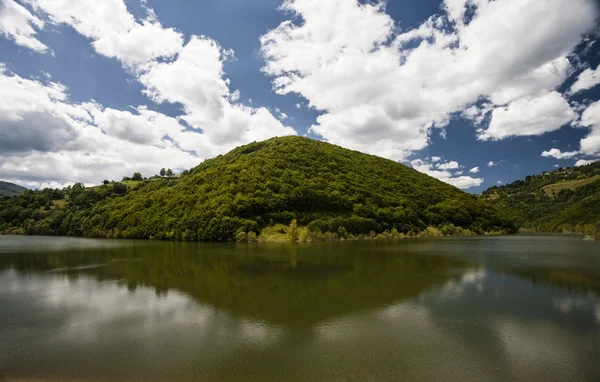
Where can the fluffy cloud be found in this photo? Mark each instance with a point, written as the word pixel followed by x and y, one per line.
pixel 583 162
pixel 529 116
pixel 492 164
pixel 452 165
pixel 556 153
pixel 195 80
pixel 191 75
pixel 436 159
pixel 474 170
pixel 590 145
pixel 33 115
pixel 51 140
pixel 383 92
pixel 443 174
pixel 18 24
pixel 113 31
pixel 464 182
pixel 586 80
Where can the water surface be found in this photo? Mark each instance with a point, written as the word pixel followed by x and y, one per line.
pixel 487 308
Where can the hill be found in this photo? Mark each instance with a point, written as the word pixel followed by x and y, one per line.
pixel 9 189
pixel 564 200
pixel 325 187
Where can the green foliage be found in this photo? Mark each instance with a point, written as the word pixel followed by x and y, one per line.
pixel 332 191
pixel 534 205
pixel 304 235
pixel 252 238
pixel 241 236
pixel 163 172
pixel 169 172
pixel 136 176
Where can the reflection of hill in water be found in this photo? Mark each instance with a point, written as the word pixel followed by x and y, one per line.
pixel 289 285
pixel 284 285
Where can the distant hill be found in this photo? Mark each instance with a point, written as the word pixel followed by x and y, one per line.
pixel 261 184
pixel 567 199
pixel 10 189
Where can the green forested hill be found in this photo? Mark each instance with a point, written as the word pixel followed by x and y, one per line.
pixel 9 189
pixel 323 186
pixel 564 200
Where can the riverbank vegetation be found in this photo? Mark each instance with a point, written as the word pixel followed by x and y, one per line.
pixel 280 233
pixel 325 188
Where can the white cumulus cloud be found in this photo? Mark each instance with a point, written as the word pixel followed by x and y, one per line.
pixel 452 165
pixel 529 116
pixel 383 91
pixel 113 31
pixel 590 145
pixel 474 170
pixel 556 153
pixel 87 142
pixel 583 162
pixel 443 174
pixel 586 80
pixel 18 24
pixel 49 140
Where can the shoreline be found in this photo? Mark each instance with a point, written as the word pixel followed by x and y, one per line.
pixel 270 240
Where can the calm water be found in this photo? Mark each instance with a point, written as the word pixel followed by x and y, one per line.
pixel 497 308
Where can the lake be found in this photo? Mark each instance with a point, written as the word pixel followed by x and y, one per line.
pixel 484 308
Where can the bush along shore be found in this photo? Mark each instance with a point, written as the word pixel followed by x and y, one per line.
pixel 280 233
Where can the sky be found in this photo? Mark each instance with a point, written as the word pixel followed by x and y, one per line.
pixel 472 92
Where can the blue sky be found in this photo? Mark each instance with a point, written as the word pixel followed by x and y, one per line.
pixel 472 92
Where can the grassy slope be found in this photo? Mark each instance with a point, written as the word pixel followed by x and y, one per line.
pixel 553 189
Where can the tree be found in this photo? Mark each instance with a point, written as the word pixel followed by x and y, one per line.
pixel 293 233
pixel 163 171
pixel 169 172
pixel 106 181
pixel 136 176
pixel 119 188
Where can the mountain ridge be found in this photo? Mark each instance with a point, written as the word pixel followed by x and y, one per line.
pixel 10 189
pixel 261 184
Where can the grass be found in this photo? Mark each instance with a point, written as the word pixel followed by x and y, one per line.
pixel 55 203
pixel 553 189
pixel 493 196
pixel 59 203
pixel 130 183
